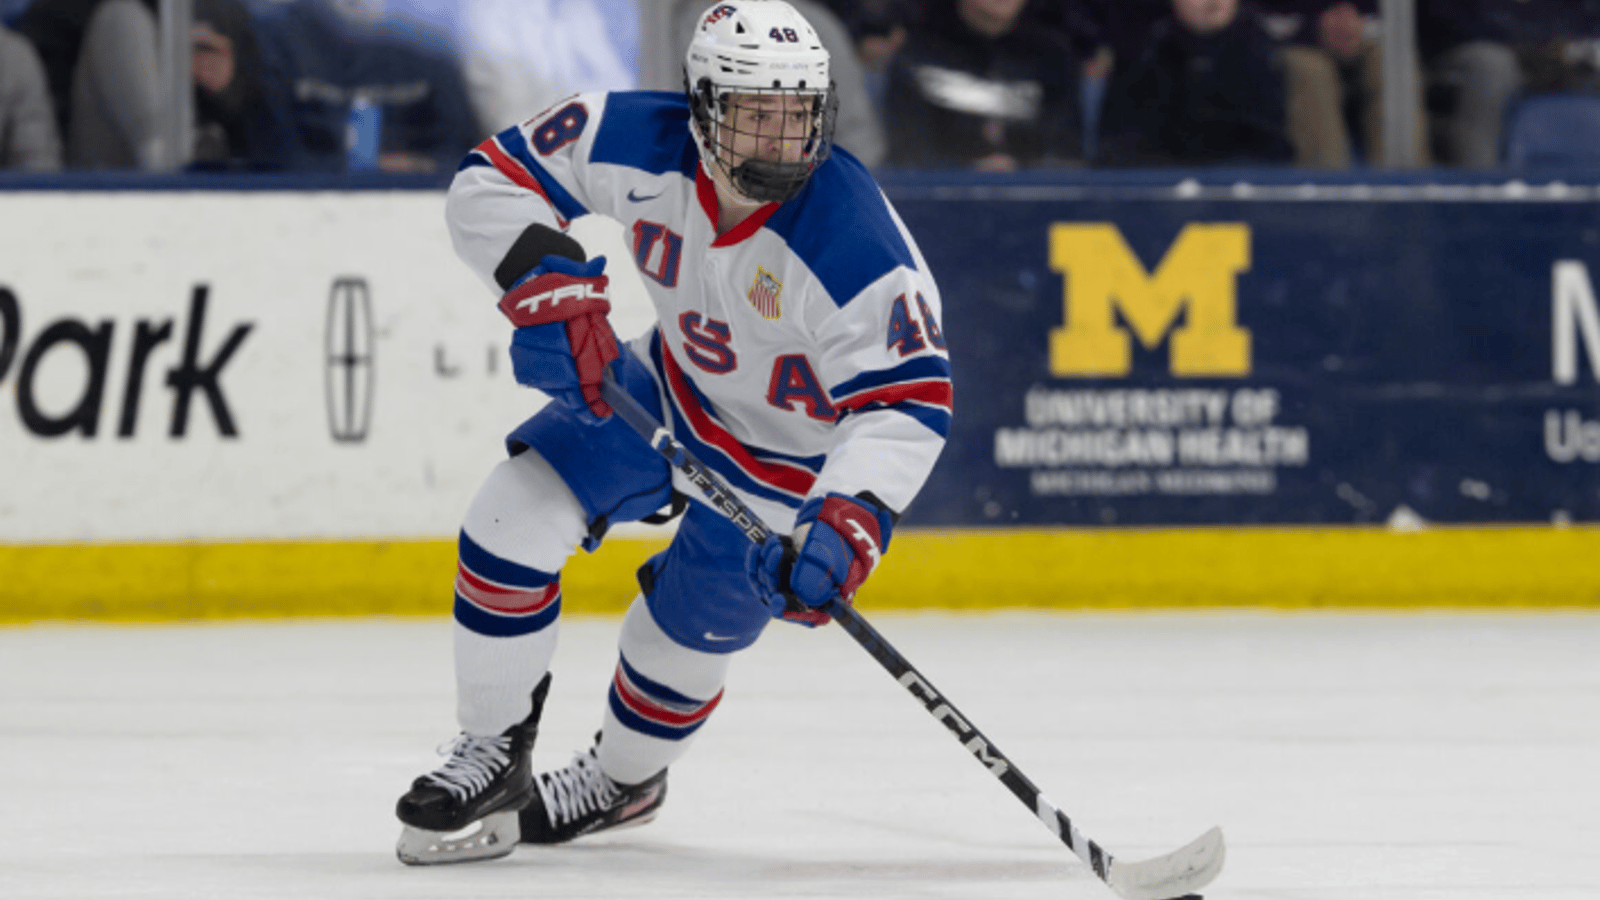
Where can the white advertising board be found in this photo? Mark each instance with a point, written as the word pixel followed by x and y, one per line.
pixel 251 365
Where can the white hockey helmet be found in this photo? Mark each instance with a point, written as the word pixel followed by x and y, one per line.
pixel 761 49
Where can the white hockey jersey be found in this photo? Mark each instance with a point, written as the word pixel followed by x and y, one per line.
pixel 799 354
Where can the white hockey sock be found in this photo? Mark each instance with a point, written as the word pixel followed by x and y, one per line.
pixel 495 677
pixel 518 533
pixel 661 695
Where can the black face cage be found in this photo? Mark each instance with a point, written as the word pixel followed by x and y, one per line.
pixel 765 180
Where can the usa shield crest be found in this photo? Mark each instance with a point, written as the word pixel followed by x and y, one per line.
pixel 764 293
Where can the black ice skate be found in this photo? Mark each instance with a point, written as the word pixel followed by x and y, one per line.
pixel 477 792
pixel 581 799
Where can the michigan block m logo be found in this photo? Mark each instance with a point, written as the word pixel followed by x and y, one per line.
pixel 1198 276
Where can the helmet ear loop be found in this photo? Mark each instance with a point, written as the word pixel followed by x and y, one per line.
pixel 819 143
pixel 814 128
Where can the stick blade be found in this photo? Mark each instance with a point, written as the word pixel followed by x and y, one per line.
pixel 1183 871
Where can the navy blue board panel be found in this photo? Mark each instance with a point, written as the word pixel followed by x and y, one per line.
pixel 1400 353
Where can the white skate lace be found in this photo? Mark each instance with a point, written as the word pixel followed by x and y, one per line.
pixel 473 764
pixel 578 789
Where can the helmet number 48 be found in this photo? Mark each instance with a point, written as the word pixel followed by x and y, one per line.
pixel 784 34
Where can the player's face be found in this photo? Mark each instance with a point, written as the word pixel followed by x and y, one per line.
pixel 773 128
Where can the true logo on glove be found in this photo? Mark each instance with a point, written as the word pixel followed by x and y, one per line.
pixel 582 290
pixel 866 543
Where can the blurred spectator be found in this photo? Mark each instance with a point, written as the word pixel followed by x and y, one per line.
pixel 1116 30
pixel 1482 55
pixel 100 60
pixel 1333 68
pixel 1473 74
pixel 972 87
pixel 1089 26
pixel 365 94
pixel 11 10
pixel 28 136
pixel 1085 23
pixel 858 128
pixel 1487 55
pixel 239 124
pixel 1102 32
pixel 878 28
pixel 521 56
pixel 1565 56
pixel 1207 88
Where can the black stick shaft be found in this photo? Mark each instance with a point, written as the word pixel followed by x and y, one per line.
pixel 968 735
pixel 724 500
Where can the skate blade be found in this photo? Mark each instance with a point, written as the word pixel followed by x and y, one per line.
pixel 491 837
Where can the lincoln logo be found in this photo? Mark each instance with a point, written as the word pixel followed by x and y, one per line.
pixel 349 366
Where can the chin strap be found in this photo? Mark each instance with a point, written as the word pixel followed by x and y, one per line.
pixel 774 182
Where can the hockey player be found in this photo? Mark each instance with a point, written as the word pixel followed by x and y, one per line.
pixel 797 351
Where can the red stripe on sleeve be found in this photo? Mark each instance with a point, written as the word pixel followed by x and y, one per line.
pixel 936 393
pixel 518 173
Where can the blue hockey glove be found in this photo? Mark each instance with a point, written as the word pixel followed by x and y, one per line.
pixel 563 341
pixel 836 544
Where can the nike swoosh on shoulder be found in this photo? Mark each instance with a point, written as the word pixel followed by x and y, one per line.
pixel 638 199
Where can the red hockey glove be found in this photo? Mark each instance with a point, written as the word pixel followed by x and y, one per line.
pixel 563 342
pixel 837 542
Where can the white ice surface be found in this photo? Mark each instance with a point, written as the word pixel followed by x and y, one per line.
pixel 1348 757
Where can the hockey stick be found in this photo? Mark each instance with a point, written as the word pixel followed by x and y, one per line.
pixel 1174 876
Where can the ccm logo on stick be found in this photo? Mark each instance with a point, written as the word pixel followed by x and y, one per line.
pixel 941 710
